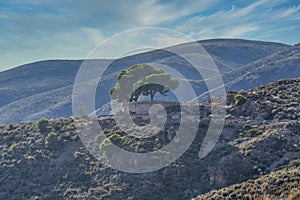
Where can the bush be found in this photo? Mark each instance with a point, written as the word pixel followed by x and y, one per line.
pixel 52 140
pixel 11 127
pixel 43 125
pixel 248 152
pixel 239 99
pixel 253 132
pixel 12 147
pixel 115 139
pixel 294 163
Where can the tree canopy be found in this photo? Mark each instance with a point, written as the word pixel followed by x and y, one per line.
pixel 142 79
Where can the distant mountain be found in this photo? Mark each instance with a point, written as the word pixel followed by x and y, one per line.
pixel 44 89
pixel 231 54
pixel 35 78
pixel 281 65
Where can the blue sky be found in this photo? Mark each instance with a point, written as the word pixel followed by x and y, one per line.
pixel 32 30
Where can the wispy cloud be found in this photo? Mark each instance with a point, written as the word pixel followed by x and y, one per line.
pixel 3 16
pixel 247 21
pixel 239 31
pixel 31 29
pixel 289 12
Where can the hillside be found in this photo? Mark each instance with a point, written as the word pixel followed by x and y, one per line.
pixel 266 70
pixel 260 139
pixel 44 88
pixel 281 65
pixel 280 184
pixel 236 52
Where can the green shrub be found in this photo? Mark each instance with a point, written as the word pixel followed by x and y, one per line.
pixel 294 163
pixel 12 147
pixel 104 143
pixel 52 140
pixel 43 125
pixel 11 127
pixel 115 139
pixel 239 99
pixel 248 152
pixel 253 132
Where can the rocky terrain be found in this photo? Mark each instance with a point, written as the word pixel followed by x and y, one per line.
pixel 256 157
pixel 44 89
pixel 280 184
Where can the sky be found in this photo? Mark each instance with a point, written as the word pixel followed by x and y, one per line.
pixel 32 30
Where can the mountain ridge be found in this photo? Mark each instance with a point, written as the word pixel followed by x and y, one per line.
pixel 19 84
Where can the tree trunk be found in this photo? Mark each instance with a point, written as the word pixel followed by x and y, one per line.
pixel 152 96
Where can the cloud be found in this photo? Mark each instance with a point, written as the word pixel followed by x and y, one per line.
pixel 137 41
pixel 94 36
pixel 240 21
pixel 290 12
pixel 33 29
pixel 252 7
pixel 239 31
pixel 3 16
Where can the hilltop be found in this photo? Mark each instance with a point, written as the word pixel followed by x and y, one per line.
pixel 259 141
pixel 44 88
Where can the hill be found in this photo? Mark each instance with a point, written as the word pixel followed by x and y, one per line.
pixel 281 65
pixel 44 88
pixel 265 70
pixel 259 140
pixel 280 184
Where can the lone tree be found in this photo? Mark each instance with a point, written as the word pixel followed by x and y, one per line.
pixel 142 79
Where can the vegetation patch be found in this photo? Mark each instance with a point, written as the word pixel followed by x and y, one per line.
pixel 43 125
pixel 294 163
pixel 12 147
pixel 114 138
pixel 52 140
pixel 254 132
pixel 239 99
pixel 142 79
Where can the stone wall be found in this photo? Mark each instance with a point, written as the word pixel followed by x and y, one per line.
pixel 139 112
pixel 143 107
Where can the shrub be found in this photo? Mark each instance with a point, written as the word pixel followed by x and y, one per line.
pixel 239 99
pixel 294 163
pixel 52 140
pixel 11 127
pixel 114 138
pixel 117 139
pixel 12 147
pixel 43 124
pixel 104 143
pixel 248 152
pixel 253 132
